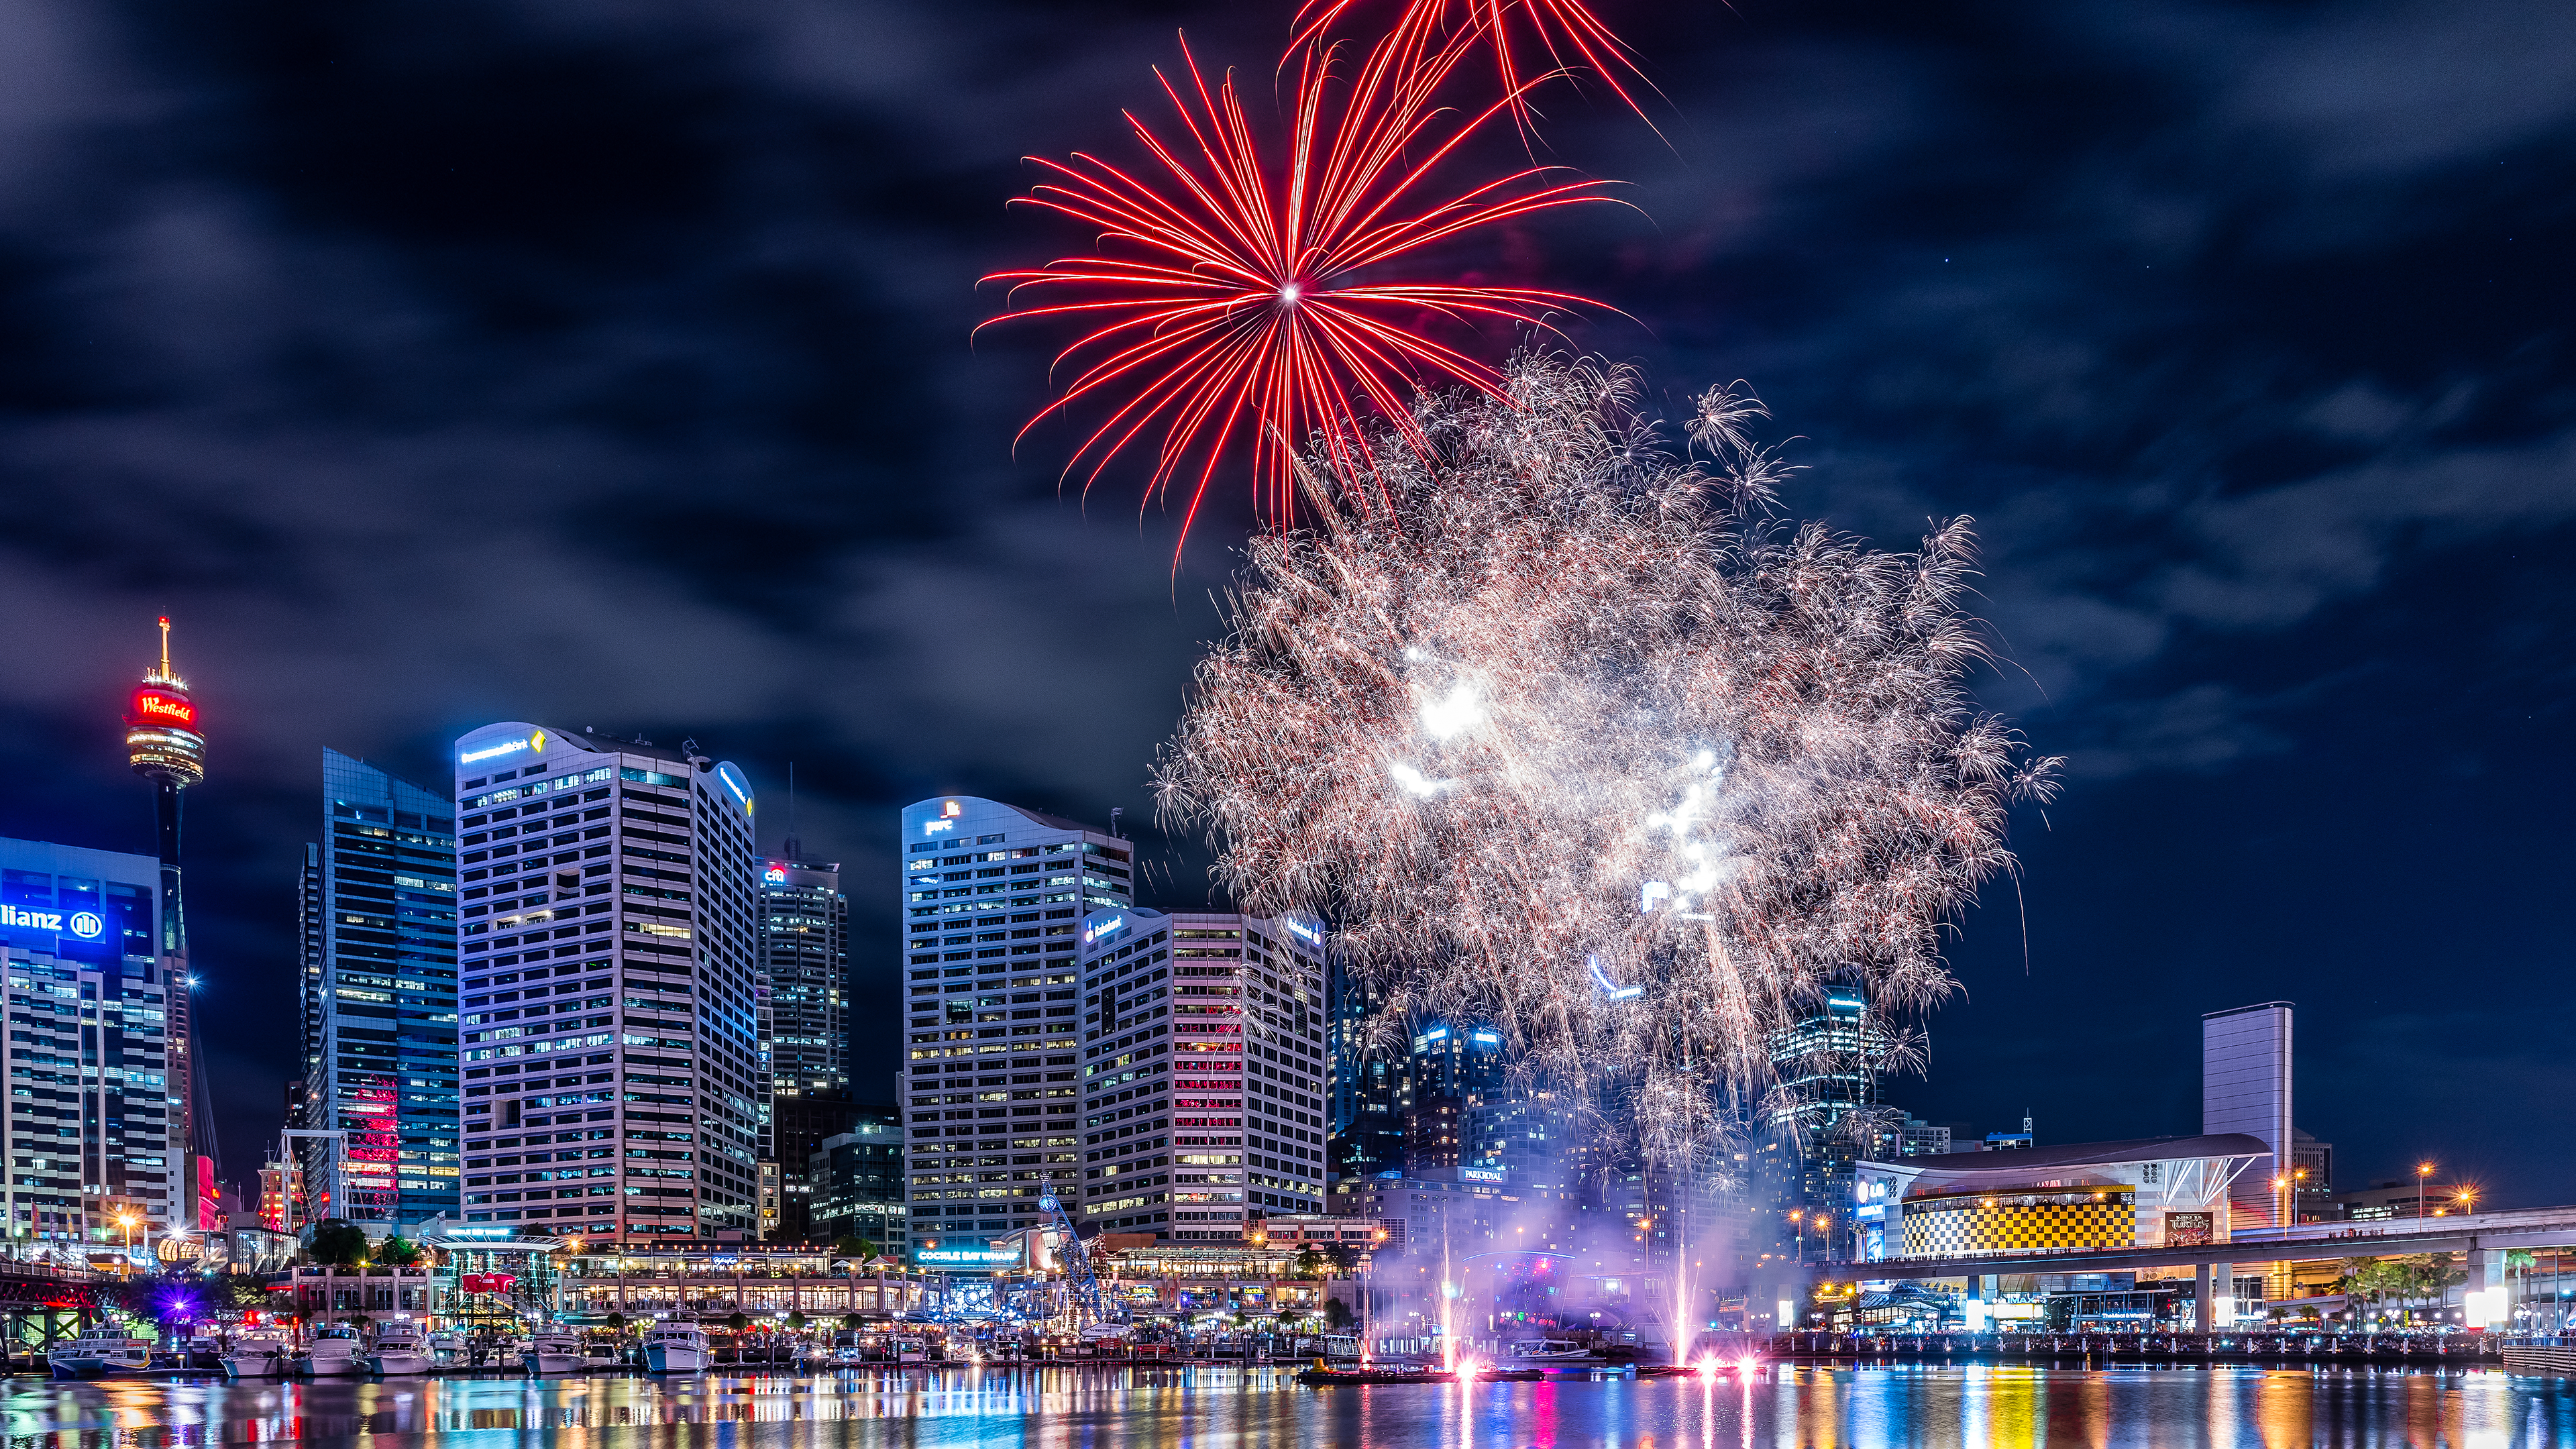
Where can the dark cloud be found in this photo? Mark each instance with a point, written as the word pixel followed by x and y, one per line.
pixel 609 364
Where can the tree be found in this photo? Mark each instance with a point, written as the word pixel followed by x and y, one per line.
pixel 399 1253
pixel 797 1320
pixel 617 1323
pixel 737 1322
pixel 851 1321
pixel 337 1244
pixel 1337 1314
pixel 1310 1264
pixel 856 1249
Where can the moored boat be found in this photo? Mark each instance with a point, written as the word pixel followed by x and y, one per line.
pixel 401 1349
pixel 675 1348
pixel 99 1352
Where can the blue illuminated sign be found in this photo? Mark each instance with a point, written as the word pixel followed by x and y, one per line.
pixel 1304 930
pixel 733 781
pixel 88 925
pixel 1102 928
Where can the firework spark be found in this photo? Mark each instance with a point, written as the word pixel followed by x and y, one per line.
pixel 1566 32
pixel 1573 743
pixel 1242 301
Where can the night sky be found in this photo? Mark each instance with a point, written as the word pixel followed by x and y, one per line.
pixel 436 364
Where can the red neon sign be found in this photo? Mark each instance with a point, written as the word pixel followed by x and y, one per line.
pixel 152 704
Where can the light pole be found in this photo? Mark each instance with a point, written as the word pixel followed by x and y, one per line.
pixel 2423 1176
pixel 1798 1221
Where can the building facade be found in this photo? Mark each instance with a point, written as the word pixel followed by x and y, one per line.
pixel 1371 1081
pixel 804 1031
pixel 378 931
pixel 606 890
pixel 991 1082
pixel 858 1183
pixel 91 1122
pixel 1828 1064
pixel 1203 1071
pixel 2245 1059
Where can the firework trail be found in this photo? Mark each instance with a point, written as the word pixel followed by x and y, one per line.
pixel 1573 743
pixel 1566 32
pixel 1249 302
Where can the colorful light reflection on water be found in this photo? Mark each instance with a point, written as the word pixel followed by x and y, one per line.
pixel 1775 1408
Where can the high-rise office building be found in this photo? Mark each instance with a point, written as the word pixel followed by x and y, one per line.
pixel 991 1079
pixel 1370 1081
pixel 378 908
pixel 1203 1071
pixel 804 978
pixel 804 1031
pixel 606 889
pixel 858 1182
pixel 1456 1069
pixel 91 1123
pixel 1828 1062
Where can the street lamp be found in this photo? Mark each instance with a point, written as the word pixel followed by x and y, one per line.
pixel 2423 1174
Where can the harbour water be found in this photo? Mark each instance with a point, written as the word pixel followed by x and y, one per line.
pixel 1073 1408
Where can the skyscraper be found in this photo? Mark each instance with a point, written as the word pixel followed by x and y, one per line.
pixel 991 1081
pixel 608 919
pixel 91 1123
pixel 1202 1071
pixel 1828 1062
pixel 378 903
pixel 165 742
pixel 804 1031
pixel 1370 1083
pixel 805 964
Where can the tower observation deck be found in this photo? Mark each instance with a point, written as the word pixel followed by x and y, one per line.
pixel 165 742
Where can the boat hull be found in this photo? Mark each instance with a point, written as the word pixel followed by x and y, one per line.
pixel 543 1364
pixel 664 1360
pixel 398 1364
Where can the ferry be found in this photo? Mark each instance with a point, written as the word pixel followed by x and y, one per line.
pixel 98 1351
pixel 400 1350
pixel 1549 1350
pixel 675 1348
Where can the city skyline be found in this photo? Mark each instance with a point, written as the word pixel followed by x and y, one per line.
pixel 2249 372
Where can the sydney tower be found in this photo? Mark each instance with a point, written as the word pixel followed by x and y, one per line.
pixel 165 741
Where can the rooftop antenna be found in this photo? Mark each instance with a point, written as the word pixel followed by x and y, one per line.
pixel 165 649
pixel 1114 813
pixel 795 850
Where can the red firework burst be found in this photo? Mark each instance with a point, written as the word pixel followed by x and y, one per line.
pixel 1567 31
pixel 1229 294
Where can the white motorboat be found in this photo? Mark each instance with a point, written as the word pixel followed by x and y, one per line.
pixel 552 1352
pixel 675 1348
pixel 1549 1350
pixel 100 1351
pixel 908 1350
pixel 401 1349
pixel 258 1353
pixel 333 1353
pixel 600 1356
pixel 449 1348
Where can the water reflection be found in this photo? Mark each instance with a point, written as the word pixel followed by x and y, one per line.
pixel 1791 1408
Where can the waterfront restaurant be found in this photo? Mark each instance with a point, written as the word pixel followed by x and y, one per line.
pixel 711 1284
pixel 1196 1284
pixel 2143 1193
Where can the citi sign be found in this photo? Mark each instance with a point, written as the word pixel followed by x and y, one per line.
pixel 87 925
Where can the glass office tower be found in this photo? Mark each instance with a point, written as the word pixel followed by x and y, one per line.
pixel 379 998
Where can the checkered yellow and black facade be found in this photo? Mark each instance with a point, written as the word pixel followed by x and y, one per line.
pixel 1995 1223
